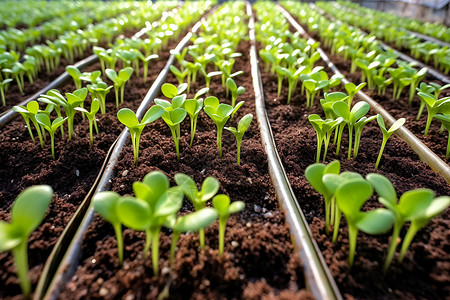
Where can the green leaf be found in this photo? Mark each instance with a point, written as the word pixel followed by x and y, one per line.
pixel 196 220
pixel 352 194
pixel 134 213
pixel 44 120
pixel 105 204
pixel 209 188
pixel 377 221
pixel 152 114
pixel 212 101
pixel 187 185
pixel 33 107
pixel 127 117
pixel 10 237
pixel 437 206
pixel 235 207
pixel 340 108
pixel 314 174
pixel 158 183
pixel 397 124
pixel 221 203
pixel 177 115
pixel 244 123
pixel 383 187
pixel 413 204
pixel 169 90
pixel 169 203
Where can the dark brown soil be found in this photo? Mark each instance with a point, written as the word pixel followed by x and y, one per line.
pixel 424 274
pixel 259 260
pixel 71 175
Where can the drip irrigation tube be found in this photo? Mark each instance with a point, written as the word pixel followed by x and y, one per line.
pixel 318 277
pixel 70 260
pixel 436 74
pixel 424 153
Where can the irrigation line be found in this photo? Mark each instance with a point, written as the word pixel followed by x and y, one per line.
pixel 318 277
pixel 432 71
pixel 70 260
pixel 424 153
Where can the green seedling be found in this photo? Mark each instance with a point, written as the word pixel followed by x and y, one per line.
pixel 145 61
pixel 3 87
pixel 105 204
pixel 352 90
pixel 434 106
pixel 238 132
pixel 51 127
pixel 382 83
pixel 220 113
pixel 235 90
pixel 445 120
pixel 323 128
pixel 350 197
pixel 222 204
pixel 27 213
pixel 210 187
pixel 416 78
pixel 29 113
pixel 155 204
pixel 387 133
pixel 417 206
pixel 196 221
pixel 119 80
pixel 359 125
pixel 314 174
pixel 128 118
pixel 95 106
pixel 75 73
pixel 180 75
pixel 193 108
pixel 99 90
pixel 209 75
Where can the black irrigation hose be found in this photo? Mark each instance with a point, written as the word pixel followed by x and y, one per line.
pixel 425 154
pixel 436 74
pixel 72 255
pixel 318 277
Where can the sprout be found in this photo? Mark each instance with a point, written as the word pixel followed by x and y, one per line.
pixel 119 81
pixel 27 213
pixel 29 113
pixel 358 131
pixel 3 87
pixel 196 221
pixel 95 106
pixel 243 125
pixel 105 204
pixel 179 74
pixel 145 61
pixel 155 204
pixel 323 132
pixel 128 118
pixel 352 90
pixel 193 108
pixel 416 78
pixel 220 113
pixel 222 204
pixel 235 90
pixel 99 90
pixel 75 73
pixel 51 127
pixel 209 76
pixel 350 197
pixel 434 106
pixel 387 133
pixel 445 120
pixel 209 188
pixel 417 206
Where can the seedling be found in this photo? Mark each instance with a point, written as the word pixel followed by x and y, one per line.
pixel 119 81
pixel 417 206
pixel 416 78
pixel 209 76
pixel 196 221
pixel 235 90
pixel 180 75
pixel 155 204
pixel 445 120
pixel 128 118
pixel 75 73
pixel 243 125
pixel 105 204
pixel 27 213
pixel 359 125
pixel 51 127
pixel 209 188
pixel 220 113
pixel 434 106
pixel 29 113
pixel 145 61
pixel 352 90
pixel 222 204
pixel 99 90
pixel 3 87
pixel 95 106
pixel 323 128
pixel 387 133
pixel 193 108
pixel 350 197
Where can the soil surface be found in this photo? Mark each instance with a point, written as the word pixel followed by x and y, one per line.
pixel 71 175
pixel 259 261
pixel 424 274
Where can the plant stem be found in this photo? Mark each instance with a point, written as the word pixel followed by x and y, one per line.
pixel 175 140
pixel 392 245
pixel 193 128
pixel 341 130
pixel 352 234
pixel 116 91
pixel 201 236
pixel 350 140
pixel 173 247
pixel 70 126
pixel 21 260
pixel 219 139
pixel 52 141
pixel 407 240
pixel 27 121
pixel 327 216
pixel 222 225
pixel 119 238
pixel 448 147
pixel 381 152
pixel 238 143
pixel 3 96
pixel 122 90
pixel 148 241
pixel 319 147
pixel 337 222
pixel 91 137
pixel 155 251
pixel 429 119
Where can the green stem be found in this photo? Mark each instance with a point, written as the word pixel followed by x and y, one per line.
pixel 393 245
pixel 327 216
pixel 290 87
pixel 27 121
pixel 352 234
pixel 119 238
pixel 338 146
pixel 332 210
pixel 52 141
pixel 145 71
pixel 327 142
pixel 173 247
pixel 148 241
pixel 91 137
pixel 122 91
pixel 193 127
pixel 38 129
pixel 155 251
pixel 280 83
pixel 430 118
pixel 219 139
pixel 319 147
pixel 201 235
pixel 70 126
pixel 222 226
pixel 383 144
pixel 3 96
pixel 21 260
pixel 116 91
pixel 337 222
pixel 350 140
pixel 407 240
pixel 175 140
pixel 448 147
pixel 238 143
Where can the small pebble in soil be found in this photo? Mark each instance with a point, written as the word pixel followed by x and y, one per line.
pixel 234 244
pixel 77 172
pixel 266 197
pixel 203 171
pixel 248 225
pixel 268 215
pixel 124 173
pixel 249 180
pixel 241 277
pixel 93 261
pixel 257 208
pixel 100 281
pixel 122 186
pixel 165 271
pixel 103 292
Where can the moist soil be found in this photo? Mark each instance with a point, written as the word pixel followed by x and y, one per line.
pixel 259 261
pixel 424 273
pixel 71 175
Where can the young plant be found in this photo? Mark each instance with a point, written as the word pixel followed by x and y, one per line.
pixel 235 90
pixel 359 125
pixel 224 209
pixel 75 73
pixel 145 61
pixel 180 75
pixel 417 206
pixel 387 134
pixel 29 113
pixel 51 127
pixel 154 205
pixel 445 120
pixel 196 221
pixel 193 108
pixel 220 113
pixel 128 118
pixel 416 78
pixel 210 187
pixel 119 80
pixel 209 75
pixel 99 90
pixel 3 87
pixel 27 213
pixel 352 90
pixel 350 197
pixel 238 132
pixel 434 106
pixel 95 106
pixel 105 204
